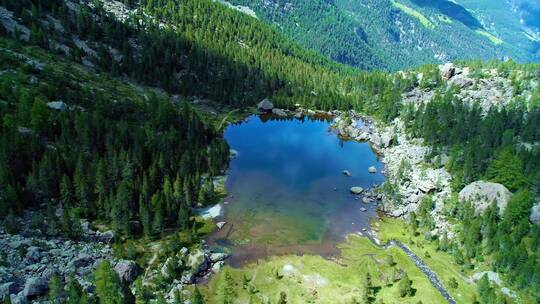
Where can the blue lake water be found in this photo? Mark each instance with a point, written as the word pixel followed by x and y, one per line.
pixel 288 193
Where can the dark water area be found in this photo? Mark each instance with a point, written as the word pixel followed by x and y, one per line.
pixel 288 193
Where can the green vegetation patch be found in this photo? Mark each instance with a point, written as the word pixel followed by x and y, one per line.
pixel 414 13
pixel 440 262
pixel 363 272
pixel 495 40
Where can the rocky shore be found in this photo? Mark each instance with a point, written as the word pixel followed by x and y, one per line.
pixel 410 175
pixel 30 258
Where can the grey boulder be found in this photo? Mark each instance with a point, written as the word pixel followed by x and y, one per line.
pixel 482 194
pixel 535 214
pixel 265 105
pixel 33 254
pixel 106 237
pixel 127 270
pixel 357 190
pixel 35 287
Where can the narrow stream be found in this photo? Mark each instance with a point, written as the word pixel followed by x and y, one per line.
pixel 432 276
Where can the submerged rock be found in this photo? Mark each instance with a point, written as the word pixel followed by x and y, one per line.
pixel 372 169
pixel 347 173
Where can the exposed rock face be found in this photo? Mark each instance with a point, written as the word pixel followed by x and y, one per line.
pixel 483 194
pixel 265 105
pixel 6 289
pixel 57 105
pixel 405 168
pixel 127 270
pixel 462 81
pixel 535 214
pixel 197 261
pixel 448 70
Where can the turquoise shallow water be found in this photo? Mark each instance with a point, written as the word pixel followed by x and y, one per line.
pixel 288 191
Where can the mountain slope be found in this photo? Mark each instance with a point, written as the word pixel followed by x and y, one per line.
pixel 388 34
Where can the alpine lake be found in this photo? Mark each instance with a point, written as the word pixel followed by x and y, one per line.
pixel 287 191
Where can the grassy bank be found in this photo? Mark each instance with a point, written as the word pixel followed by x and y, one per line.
pixel 440 262
pixel 313 279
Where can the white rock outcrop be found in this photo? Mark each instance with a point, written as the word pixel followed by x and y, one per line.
pixel 482 194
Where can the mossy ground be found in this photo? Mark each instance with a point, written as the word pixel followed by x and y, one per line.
pixel 313 279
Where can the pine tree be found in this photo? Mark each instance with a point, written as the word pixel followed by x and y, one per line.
pixel 158 222
pixel 66 192
pixel 405 287
pixel 507 169
pixel 120 211
pixel 75 294
pixel 183 216
pixel 282 298
pixel 108 287
pixel 66 223
pixel 56 290
pixel 145 217
pixel 197 297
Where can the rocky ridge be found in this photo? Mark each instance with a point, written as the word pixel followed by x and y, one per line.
pixel 486 87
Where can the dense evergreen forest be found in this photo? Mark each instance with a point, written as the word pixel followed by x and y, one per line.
pixel 110 152
pixel 499 146
pixel 101 155
pixel 379 35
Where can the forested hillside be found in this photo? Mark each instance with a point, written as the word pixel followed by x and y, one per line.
pixel 384 34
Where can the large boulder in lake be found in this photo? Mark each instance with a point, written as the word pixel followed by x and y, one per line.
pixel 265 105
pixel 482 194
pixel 357 190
